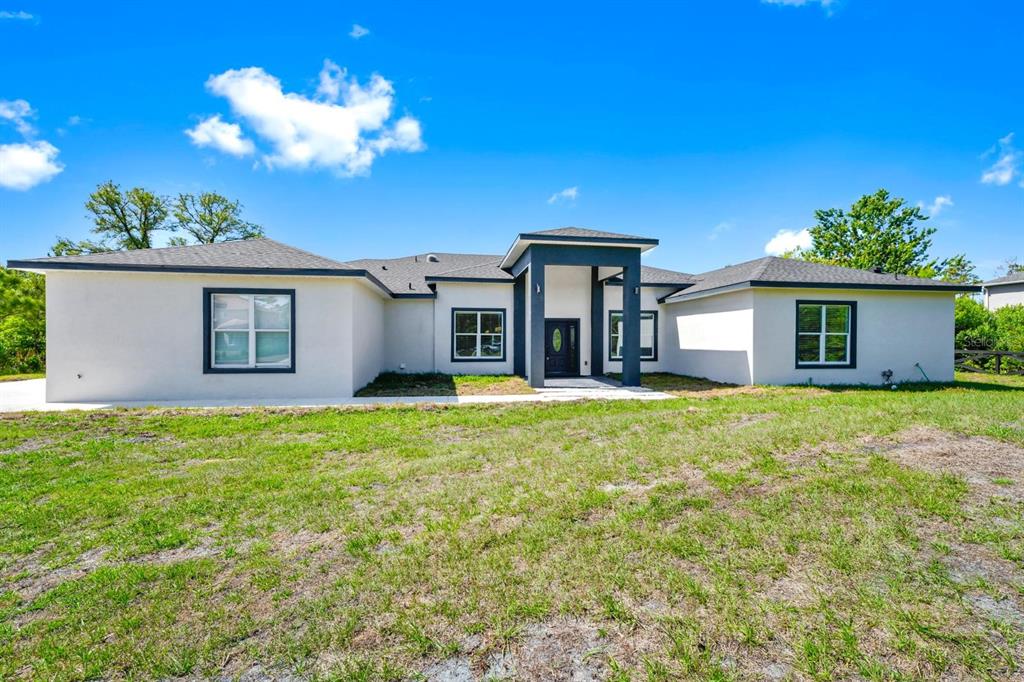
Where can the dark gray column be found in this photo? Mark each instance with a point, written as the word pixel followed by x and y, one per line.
pixel 596 323
pixel 519 326
pixel 536 298
pixel 631 323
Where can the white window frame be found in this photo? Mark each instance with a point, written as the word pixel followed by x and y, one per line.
pixel 250 295
pixel 653 315
pixel 479 334
pixel 851 313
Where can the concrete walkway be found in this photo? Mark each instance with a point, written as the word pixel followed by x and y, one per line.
pixel 24 396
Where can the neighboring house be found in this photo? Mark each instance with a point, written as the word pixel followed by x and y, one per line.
pixel 1005 290
pixel 259 319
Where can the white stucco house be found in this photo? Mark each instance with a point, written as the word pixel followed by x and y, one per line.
pixel 1005 290
pixel 260 319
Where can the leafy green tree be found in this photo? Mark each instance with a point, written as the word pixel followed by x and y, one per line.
pixel 959 270
pixel 127 220
pixel 975 325
pixel 67 247
pixel 1009 322
pixel 211 217
pixel 878 231
pixel 22 322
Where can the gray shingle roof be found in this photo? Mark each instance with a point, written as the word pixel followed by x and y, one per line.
pixel 581 233
pixel 242 254
pixel 408 275
pixel 1012 278
pixel 655 276
pixel 774 271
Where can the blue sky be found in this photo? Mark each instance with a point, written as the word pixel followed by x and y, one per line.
pixel 710 125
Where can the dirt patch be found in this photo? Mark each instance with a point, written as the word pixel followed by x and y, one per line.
pixel 991 468
pixel 561 649
pixel 750 419
pixel 29 445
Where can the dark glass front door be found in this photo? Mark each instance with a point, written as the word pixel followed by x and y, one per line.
pixel 561 348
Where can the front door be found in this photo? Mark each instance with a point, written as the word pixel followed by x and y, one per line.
pixel 561 348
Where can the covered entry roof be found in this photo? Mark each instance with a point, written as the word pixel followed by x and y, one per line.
pixel 571 236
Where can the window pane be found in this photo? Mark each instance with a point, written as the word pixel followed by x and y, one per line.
pixel 809 318
pixel 465 346
pixel 835 347
pixel 230 311
pixel 231 348
pixel 490 323
pixel 647 335
pixel 273 312
pixel 808 347
pixel 556 340
pixel 465 323
pixel 272 348
pixel 490 346
pixel 837 318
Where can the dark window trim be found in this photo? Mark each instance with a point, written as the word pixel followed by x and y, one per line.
pixel 504 333
pixel 575 321
pixel 852 364
pixel 208 367
pixel 642 359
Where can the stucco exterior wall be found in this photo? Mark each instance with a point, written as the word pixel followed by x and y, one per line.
pixel 1004 295
pixel 895 330
pixel 648 301
pixel 711 337
pixel 409 335
pixel 139 336
pixel 568 296
pixel 469 295
pixel 367 330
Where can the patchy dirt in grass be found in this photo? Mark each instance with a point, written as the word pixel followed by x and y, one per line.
pixel 750 419
pixel 991 468
pixel 561 649
pixel 29 445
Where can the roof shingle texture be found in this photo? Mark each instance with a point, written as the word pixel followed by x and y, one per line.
pixel 243 253
pixel 1012 278
pixel 775 270
pixel 582 233
pixel 407 275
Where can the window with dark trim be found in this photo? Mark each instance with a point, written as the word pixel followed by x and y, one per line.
pixel 648 335
pixel 248 330
pixel 478 334
pixel 826 334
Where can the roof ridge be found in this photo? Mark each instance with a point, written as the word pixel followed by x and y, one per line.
pixel 468 267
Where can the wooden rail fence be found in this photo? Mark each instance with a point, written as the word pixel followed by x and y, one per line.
pixel 989 361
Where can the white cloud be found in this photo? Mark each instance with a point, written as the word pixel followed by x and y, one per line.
pixel 227 137
pixel 785 241
pixel 20 15
pixel 1007 165
pixel 24 165
pixel 74 120
pixel 358 31
pixel 343 128
pixel 568 194
pixel 18 111
pixel 937 206
pixel 720 229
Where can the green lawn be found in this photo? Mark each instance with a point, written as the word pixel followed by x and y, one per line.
pixel 784 533
pixel 21 377
pixel 395 384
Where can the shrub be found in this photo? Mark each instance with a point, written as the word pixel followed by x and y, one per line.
pixel 975 325
pixel 22 345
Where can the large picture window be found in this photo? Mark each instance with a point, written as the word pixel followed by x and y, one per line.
pixel 826 334
pixel 249 330
pixel 648 335
pixel 478 335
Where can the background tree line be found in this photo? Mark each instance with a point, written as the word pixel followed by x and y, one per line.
pixel 877 231
pixel 122 220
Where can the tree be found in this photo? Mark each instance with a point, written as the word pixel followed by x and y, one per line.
pixel 1011 266
pixel 68 247
pixel 958 270
pixel 878 231
pixel 975 325
pixel 211 217
pixel 127 220
pixel 22 322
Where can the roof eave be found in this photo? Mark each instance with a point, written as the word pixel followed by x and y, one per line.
pixel 527 238
pixel 43 266
pixel 770 284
